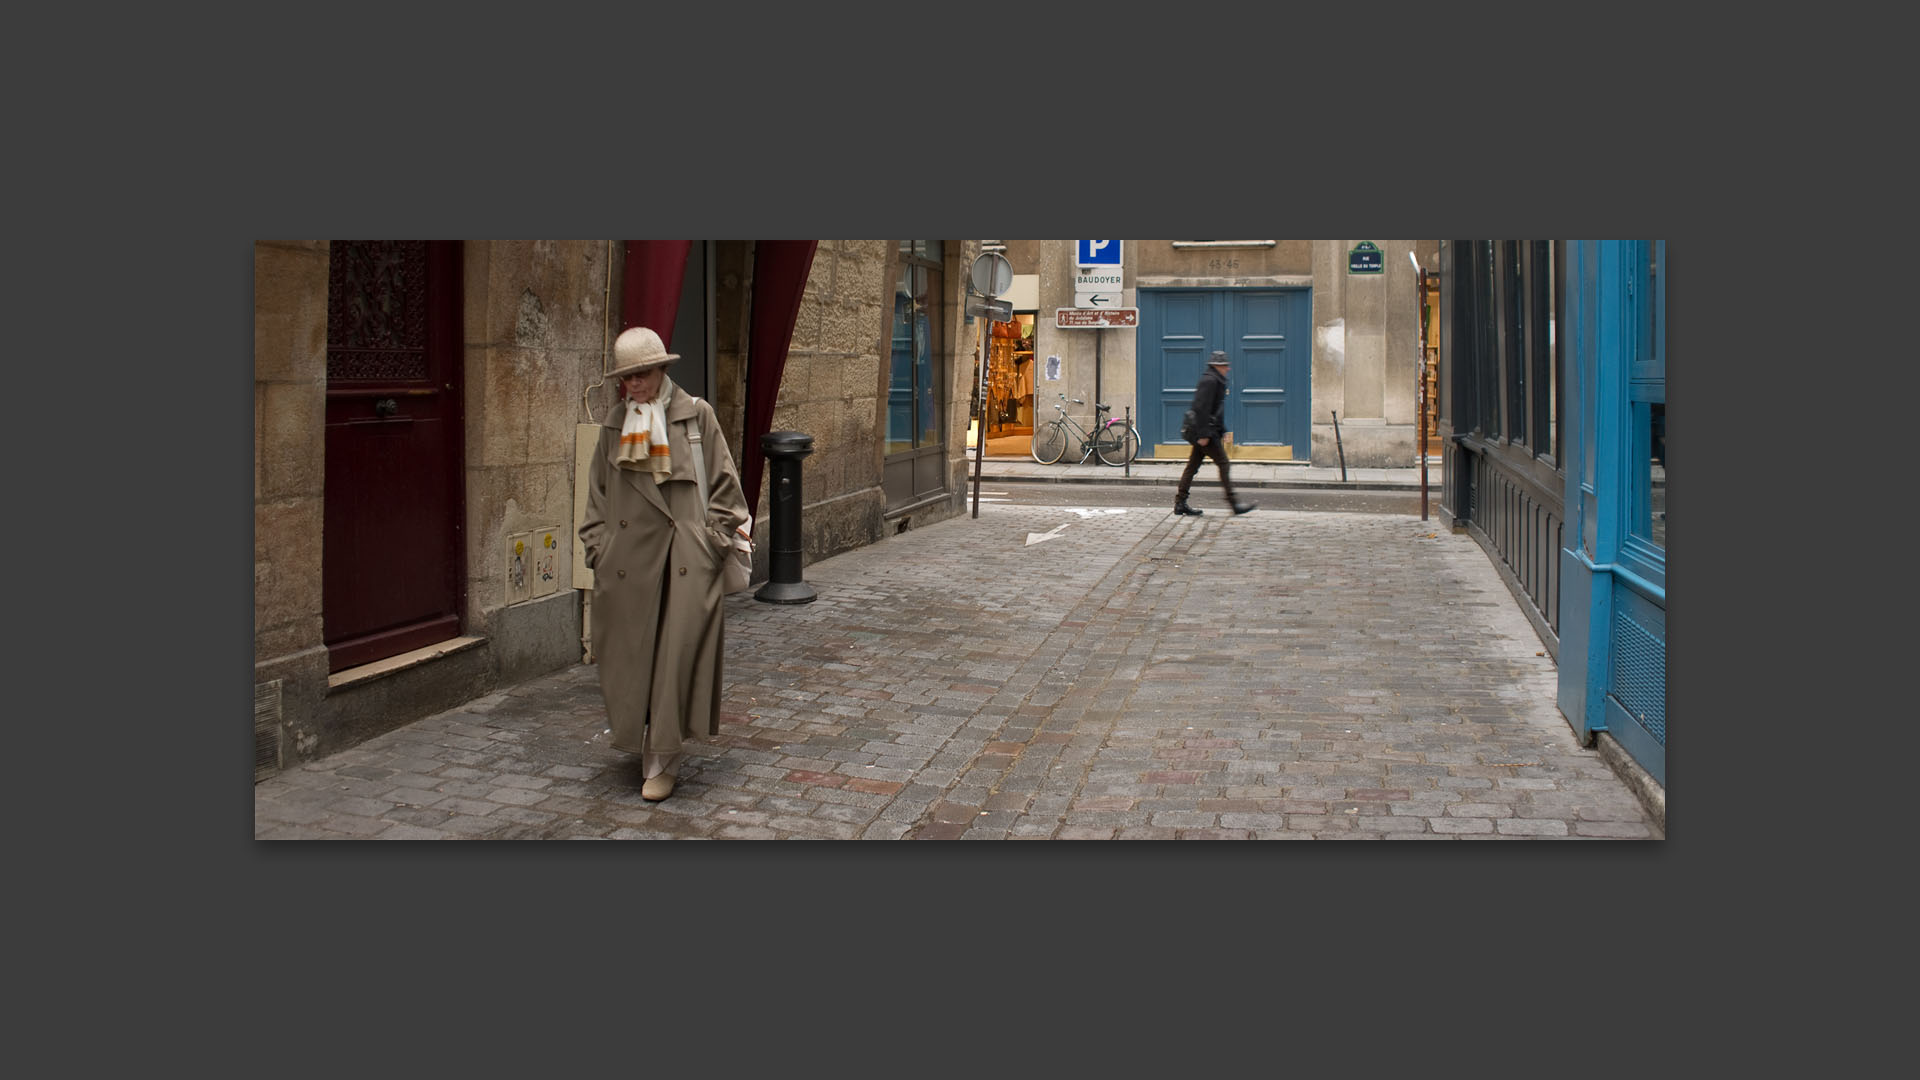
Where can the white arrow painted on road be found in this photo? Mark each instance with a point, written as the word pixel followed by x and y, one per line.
pixel 1085 513
pixel 1051 534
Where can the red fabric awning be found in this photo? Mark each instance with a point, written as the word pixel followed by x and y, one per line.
pixel 650 289
pixel 650 297
pixel 780 269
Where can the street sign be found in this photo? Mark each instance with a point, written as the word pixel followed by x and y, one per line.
pixel 1097 253
pixel 992 274
pixel 1095 318
pixel 1366 258
pixel 1097 279
pixel 994 310
pixel 1097 286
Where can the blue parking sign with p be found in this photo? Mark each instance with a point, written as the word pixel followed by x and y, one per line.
pixel 1098 253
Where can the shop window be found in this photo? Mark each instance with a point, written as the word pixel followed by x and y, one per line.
pixel 913 394
pixel 1010 376
pixel 1540 351
pixel 1647 396
pixel 917 367
pixel 1486 356
pixel 1458 329
pixel 1657 474
pixel 1514 354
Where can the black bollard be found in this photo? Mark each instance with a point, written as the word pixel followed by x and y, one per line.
pixel 784 449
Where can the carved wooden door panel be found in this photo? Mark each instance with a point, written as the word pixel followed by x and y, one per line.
pixel 392 565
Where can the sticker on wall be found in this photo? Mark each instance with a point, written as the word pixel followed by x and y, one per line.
pixel 519 566
pixel 1053 369
pixel 546 561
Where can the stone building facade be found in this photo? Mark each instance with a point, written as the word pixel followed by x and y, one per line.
pixel 1311 339
pixel 837 383
pixel 486 405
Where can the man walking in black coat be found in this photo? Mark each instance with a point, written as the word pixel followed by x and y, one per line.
pixel 1209 424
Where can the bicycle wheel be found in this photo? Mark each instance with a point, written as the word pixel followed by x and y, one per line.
pixel 1050 443
pixel 1117 444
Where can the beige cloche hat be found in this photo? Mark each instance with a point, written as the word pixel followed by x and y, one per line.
pixel 638 349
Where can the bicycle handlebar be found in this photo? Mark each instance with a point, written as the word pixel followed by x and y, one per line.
pixel 1077 401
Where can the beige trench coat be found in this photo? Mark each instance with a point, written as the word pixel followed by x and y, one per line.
pixel 656 557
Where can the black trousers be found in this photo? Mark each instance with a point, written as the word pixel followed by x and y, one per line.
pixel 1215 450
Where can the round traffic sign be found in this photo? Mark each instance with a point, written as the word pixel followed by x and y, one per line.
pixel 992 274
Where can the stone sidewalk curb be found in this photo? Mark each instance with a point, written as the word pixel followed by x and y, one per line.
pixel 1649 791
pixel 1245 474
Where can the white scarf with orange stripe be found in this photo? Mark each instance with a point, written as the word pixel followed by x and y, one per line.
pixel 643 437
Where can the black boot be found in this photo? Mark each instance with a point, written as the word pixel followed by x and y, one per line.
pixel 1241 507
pixel 1180 507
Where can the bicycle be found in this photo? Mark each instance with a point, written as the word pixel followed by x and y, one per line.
pixel 1112 440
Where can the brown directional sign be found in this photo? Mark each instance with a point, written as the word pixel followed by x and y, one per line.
pixel 1067 318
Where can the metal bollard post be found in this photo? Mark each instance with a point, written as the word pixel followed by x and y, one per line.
pixel 784 449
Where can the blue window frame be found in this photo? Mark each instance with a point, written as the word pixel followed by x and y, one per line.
pixel 914 399
pixel 1643 547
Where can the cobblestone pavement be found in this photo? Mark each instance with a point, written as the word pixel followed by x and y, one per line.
pixel 1048 673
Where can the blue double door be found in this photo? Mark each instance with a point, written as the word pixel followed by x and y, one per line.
pixel 1264 332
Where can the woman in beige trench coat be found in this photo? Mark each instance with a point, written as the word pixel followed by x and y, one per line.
pixel 656 556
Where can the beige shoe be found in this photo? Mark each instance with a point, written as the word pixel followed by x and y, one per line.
pixel 657 787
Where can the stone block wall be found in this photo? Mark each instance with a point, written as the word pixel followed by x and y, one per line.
pixel 834 388
pixel 1366 355
pixel 289 418
pixel 963 355
pixel 1162 264
pixel 289 423
pixel 1095 365
pixel 537 327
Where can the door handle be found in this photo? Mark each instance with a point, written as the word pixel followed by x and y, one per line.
pixel 385 407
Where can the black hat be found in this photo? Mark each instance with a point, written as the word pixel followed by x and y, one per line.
pixel 1218 357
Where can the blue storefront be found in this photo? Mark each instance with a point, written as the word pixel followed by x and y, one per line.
pixel 1613 601
pixel 1553 415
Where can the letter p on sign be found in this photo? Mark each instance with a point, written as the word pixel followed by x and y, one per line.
pixel 1098 253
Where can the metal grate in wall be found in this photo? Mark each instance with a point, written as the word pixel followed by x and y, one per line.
pixel 1640 674
pixel 266 729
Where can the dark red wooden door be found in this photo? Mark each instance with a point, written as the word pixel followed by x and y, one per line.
pixel 393 566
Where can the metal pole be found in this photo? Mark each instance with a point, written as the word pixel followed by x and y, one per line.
pixel 1128 470
pixel 1098 337
pixel 1425 406
pixel 785 585
pixel 980 405
pixel 1342 449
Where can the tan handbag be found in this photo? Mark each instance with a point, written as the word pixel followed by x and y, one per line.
pixel 737 572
